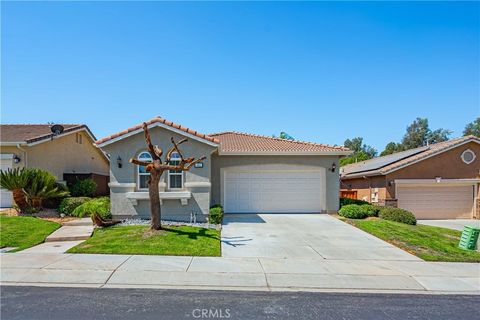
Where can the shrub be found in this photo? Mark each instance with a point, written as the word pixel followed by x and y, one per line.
pixel 100 206
pixel 372 210
pixel 347 201
pixel 216 214
pixel 398 215
pixel 69 204
pixel 354 211
pixel 84 188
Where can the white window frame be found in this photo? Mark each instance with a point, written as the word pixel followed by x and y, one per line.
pixel 177 158
pixel 138 169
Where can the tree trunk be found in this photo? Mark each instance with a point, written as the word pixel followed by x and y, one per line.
pixel 155 211
pixel 19 199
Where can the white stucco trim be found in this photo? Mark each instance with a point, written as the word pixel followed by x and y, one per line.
pixel 161 125
pixel 435 182
pixel 121 185
pixel 198 184
pixel 12 144
pixel 183 196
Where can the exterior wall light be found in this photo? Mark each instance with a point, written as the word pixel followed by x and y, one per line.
pixel 119 161
pixel 334 166
pixel 16 159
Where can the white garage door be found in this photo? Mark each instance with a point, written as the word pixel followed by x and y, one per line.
pixel 253 191
pixel 6 199
pixel 437 202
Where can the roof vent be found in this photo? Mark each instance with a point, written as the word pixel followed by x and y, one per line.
pixel 56 129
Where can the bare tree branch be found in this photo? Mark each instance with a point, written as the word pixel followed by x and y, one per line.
pixel 191 164
pixel 139 162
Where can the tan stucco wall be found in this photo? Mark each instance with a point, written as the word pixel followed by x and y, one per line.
pixel 63 155
pixel 277 162
pixel 447 165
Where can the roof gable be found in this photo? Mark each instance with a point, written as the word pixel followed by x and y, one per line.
pixel 239 143
pixel 403 159
pixel 161 122
pixel 35 133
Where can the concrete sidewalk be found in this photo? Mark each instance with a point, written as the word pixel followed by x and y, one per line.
pixel 265 274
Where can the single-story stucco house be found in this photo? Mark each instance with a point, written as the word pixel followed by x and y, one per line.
pixel 439 181
pixel 67 152
pixel 245 173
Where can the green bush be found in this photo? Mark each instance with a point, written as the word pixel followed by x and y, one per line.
pixel 372 211
pixel 100 206
pixel 84 188
pixel 69 204
pixel 398 215
pixel 216 214
pixel 347 201
pixel 354 211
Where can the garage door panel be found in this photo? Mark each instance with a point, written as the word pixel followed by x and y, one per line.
pixel 276 191
pixel 437 202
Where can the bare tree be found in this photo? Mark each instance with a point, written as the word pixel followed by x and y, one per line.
pixel 156 169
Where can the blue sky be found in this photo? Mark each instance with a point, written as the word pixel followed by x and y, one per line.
pixel 320 71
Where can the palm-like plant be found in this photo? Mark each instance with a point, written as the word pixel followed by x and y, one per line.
pixel 15 180
pixel 42 185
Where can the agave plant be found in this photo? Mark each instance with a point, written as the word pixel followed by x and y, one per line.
pixel 15 180
pixel 42 185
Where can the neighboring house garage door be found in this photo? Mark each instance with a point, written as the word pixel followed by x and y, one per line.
pixel 263 191
pixel 437 202
pixel 6 199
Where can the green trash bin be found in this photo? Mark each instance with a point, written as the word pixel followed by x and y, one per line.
pixel 468 240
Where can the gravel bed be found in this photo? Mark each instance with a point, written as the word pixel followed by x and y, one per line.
pixel 142 222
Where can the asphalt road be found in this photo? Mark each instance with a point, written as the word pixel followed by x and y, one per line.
pixel 82 303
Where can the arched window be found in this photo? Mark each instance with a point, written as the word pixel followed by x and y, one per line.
pixel 175 177
pixel 142 173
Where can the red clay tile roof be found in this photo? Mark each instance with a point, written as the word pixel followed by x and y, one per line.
pixel 31 132
pixel 159 120
pixel 387 166
pixel 238 142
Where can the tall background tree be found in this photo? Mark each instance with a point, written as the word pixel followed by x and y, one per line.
pixel 418 134
pixel 361 151
pixel 473 128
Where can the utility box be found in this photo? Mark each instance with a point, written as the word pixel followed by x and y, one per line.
pixel 468 240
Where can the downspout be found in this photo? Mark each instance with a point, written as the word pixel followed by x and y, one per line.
pixel 24 154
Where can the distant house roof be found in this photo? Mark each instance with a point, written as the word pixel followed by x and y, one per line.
pixel 151 123
pixel 245 143
pixel 34 133
pixel 386 164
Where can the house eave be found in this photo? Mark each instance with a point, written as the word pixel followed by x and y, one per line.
pixel 284 153
pixel 153 125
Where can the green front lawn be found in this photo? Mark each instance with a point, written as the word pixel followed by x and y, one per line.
pixel 24 232
pixel 176 241
pixel 426 242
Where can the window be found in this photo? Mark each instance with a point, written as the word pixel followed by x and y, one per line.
pixel 78 138
pixel 143 175
pixel 175 177
pixel 468 156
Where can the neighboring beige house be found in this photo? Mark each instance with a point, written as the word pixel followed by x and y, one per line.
pixel 439 181
pixel 245 173
pixel 68 154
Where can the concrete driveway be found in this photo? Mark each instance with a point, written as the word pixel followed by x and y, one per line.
pixel 455 224
pixel 309 236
